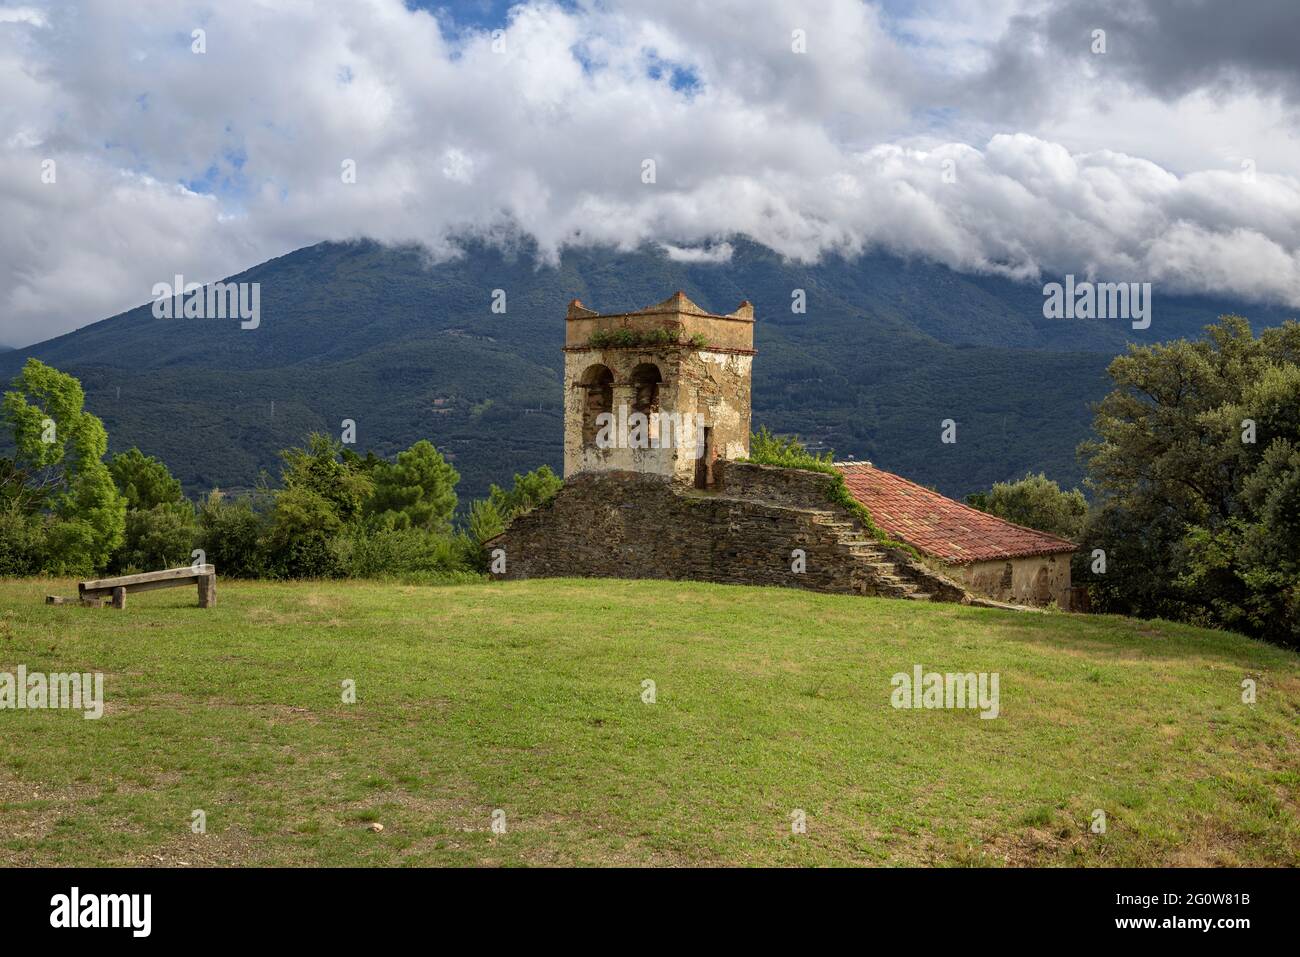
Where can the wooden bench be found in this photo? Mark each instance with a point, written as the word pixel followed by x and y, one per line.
pixel 205 576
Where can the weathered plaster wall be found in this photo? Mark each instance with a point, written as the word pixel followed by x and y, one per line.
pixel 714 384
pixel 1036 580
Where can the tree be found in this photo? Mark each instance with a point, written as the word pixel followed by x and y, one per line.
pixel 321 496
pixel 318 469
pixel 1035 502
pixel 300 541
pixel 158 537
pixel 59 470
pixel 160 522
pixel 144 481
pixel 416 491
pixel 1197 477
pixel 231 534
pixel 488 517
pixel 529 490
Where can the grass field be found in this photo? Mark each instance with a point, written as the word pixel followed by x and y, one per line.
pixel 527 697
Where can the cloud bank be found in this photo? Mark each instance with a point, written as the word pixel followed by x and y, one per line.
pixel 305 121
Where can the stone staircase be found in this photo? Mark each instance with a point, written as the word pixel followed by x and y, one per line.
pixel 867 566
pixel 886 572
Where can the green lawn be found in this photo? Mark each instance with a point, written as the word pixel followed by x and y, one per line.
pixel 527 697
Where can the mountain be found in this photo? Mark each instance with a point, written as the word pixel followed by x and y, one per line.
pixel 407 348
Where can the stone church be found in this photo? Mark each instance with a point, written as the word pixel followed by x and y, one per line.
pixel 656 423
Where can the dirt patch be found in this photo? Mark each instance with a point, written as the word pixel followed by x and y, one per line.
pixel 233 847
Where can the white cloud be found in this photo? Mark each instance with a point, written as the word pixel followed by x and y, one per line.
pixel 720 253
pixel 841 148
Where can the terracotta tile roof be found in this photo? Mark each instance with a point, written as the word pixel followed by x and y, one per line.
pixel 948 530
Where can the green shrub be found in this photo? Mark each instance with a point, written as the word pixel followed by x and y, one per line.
pixel 1035 502
pixel 143 480
pixel 362 552
pixel 160 537
pixel 626 338
pixel 230 534
pixel 22 542
pixel 299 541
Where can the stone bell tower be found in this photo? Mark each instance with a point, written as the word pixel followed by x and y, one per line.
pixel 664 390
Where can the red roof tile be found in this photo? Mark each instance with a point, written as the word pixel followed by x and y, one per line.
pixel 948 530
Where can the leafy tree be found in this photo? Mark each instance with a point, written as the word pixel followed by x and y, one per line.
pixel 489 517
pixel 158 537
pixel 1196 472
pixel 143 480
pixel 529 490
pixel 160 524
pixel 321 495
pixel 485 520
pixel 366 465
pixel 231 534
pixel 22 541
pixel 1035 502
pixel 318 469
pixel 416 491
pixel 59 470
pixel 300 539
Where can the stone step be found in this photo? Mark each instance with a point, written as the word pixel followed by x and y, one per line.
pixel 867 550
pixel 921 596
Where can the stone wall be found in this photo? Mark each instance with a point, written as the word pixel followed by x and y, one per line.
pixel 746 531
pixel 797 488
pixel 629 525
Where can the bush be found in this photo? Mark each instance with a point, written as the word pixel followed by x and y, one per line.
pixel 230 534
pixel 160 537
pixel 1035 502
pixel 405 553
pixel 625 338
pixel 71 548
pixel 22 542
pixel 299 542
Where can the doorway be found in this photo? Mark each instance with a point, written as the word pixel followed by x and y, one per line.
pixel 704 464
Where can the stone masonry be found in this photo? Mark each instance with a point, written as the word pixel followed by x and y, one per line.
pixel 745 530
pixel 672 362
pixel 679 511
